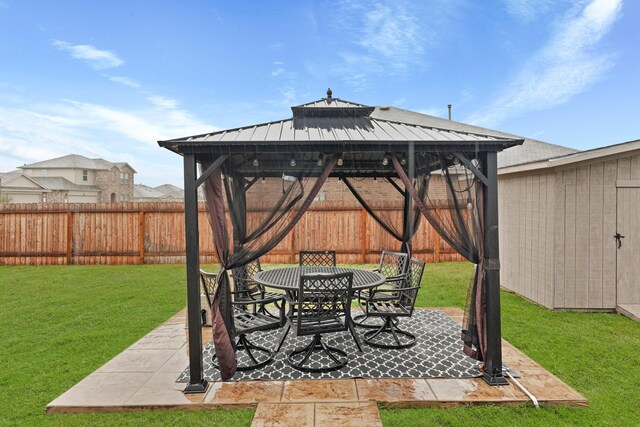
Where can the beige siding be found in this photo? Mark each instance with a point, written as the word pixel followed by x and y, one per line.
pixel 628 285
pixel 526 203
pixel 584 234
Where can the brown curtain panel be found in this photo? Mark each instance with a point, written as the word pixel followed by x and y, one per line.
pixel 261 210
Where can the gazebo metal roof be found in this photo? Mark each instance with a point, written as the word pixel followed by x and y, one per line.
pixel 332 124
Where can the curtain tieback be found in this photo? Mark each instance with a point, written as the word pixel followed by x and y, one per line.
pixel 492 264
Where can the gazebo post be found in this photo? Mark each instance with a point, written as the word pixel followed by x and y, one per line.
pixel 493 356
pixel 197 383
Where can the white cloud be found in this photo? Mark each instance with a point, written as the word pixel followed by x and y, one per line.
pixel 40 132
pixel 126 81
pixel 566 66
pixel 388 37
pixel 277 72
pixel 162 102
pixel 95 58
pixel 528 10
pixel 390 30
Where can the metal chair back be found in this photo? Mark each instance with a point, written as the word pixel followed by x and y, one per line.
pixel 243 283
pixel 322 300
pixel 317 258
pixel 393 264
pixel 409 289
pixel 209 284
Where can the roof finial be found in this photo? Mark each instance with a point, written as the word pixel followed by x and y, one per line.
pixel 329 93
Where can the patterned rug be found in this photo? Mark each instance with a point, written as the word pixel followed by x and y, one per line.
pixel 437 354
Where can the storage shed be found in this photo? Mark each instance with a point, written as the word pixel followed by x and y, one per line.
pixel 570 230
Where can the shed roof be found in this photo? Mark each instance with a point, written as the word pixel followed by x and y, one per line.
pixel 581 156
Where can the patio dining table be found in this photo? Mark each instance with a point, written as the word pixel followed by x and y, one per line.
pixel 288 279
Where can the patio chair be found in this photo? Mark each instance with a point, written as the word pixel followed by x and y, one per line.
pixel 317 258
pixel 393 267
pixel 246 289
pixel 324 307
pixel 400 303
pixel 245 322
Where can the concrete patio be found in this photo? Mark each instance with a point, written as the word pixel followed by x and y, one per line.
pixel 143 378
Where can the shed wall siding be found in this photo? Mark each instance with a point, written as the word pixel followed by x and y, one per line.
pixel 586 275
pixel 527 217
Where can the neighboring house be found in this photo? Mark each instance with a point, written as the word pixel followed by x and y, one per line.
pixel 165 193
pixel 18 188
pixel 75 178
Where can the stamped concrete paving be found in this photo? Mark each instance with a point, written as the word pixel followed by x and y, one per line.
pixel 143 378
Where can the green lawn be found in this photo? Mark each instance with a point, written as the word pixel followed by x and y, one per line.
pixel 58 324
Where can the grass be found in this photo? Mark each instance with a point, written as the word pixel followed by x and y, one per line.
pixel 58 324
pixel 595 353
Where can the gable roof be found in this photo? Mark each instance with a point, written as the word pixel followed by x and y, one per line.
pixel 165 191
pixel 74 161
pixel 141 191
pixel 60 183
pixel 13 179
pixel 531 150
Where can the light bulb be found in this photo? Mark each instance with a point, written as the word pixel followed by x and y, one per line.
pixel 292 163
pixel 385 161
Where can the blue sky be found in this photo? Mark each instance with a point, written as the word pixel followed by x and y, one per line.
pixel 109 79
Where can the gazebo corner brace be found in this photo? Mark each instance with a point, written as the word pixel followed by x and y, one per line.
pixel 493 357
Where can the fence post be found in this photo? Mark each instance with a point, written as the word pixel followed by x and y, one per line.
pixel 363 238
pixel 69 237
pixel 437 251
pixel 141 237
pixel 292 247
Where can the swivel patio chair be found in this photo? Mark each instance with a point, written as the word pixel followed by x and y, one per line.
pixel 324 302
pixel 317 258
pixel 245 322
pixel 400 303
pixel 393 266
pixel 248 290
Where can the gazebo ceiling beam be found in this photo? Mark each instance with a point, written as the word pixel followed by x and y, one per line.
pixel 218 148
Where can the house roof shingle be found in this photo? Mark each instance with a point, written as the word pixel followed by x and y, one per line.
pixel 75 161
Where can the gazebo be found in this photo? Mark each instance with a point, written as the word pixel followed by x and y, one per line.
pixel 334 138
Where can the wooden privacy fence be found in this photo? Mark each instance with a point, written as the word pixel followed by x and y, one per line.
pixel 153 233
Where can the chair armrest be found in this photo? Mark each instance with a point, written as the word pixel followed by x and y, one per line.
pixel 387 291
pixel 254 301
pixel 397 278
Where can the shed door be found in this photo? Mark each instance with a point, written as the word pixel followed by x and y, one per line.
pixel 628 254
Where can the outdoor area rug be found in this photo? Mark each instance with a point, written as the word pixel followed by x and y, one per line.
pixel 436 354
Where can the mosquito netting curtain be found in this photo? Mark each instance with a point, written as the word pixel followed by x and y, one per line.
pixel 253 203
pixel 451 201
pixel 386 200
pixel 250 213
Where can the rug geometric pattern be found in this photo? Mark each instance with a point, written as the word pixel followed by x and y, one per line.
pixel 436 354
